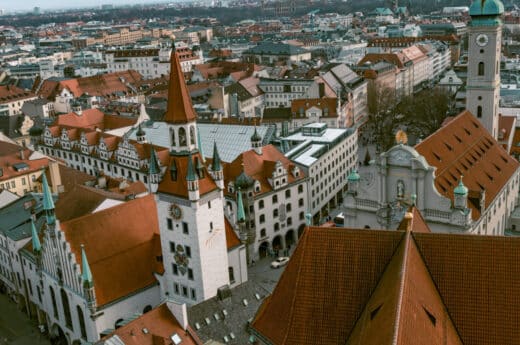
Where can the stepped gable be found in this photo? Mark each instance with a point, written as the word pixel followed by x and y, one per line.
pixel 122 244
pixel 259 167
pixel 464 147
pixel 180 108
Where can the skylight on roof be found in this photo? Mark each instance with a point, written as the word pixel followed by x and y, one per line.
pixel 176 339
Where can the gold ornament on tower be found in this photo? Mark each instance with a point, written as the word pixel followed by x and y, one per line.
pixel 401 137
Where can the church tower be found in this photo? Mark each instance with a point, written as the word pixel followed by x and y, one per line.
pixel 483 83
pixel 190 206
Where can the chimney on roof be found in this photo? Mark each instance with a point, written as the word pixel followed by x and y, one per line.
pixel 54 173
pixel 22 154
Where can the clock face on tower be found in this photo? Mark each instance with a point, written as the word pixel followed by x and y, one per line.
pixel 482 40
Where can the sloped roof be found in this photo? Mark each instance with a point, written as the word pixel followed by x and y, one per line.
pixel 232 239
pixel 464 147
pixel 321 103
pixel 10 160
pixel 11 93
pixel 122 244
pixel 161 325
pixel 89 118
pixel 259 167
pixel 392 287
pixel 179 186
pixel 179 109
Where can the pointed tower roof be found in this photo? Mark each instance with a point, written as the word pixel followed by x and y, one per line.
pixel 461 189
pixel 35 239
pixel 179 110
pixel 48 203
pixel 256 136
pixel 241 215
pixel 86 275
pixel 153 167
pixel 191 175
pixel 216 164
pixel 199 144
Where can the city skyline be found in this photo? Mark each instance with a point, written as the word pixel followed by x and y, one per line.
pixel 57 4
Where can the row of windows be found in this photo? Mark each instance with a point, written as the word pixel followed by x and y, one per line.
pixel 183 290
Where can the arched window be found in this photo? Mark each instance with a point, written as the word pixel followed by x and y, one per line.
pixel 480 68
pixel 172 136
pixel 182 136
pixel 479 111
pixel 53 298
pixel 192 135
pixel 66 308
pixel 81 320
pixel 118 323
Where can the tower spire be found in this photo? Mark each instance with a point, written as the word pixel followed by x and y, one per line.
pixel 35 239
pixel 86 274
pixel 241 215
pixel 180 109
pixel 48 202
pixel 215 164
pixel 199 144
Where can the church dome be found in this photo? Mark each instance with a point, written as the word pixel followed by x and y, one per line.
pixel 354 176
pixel 461 189
pixel 244 181
pixel 486 8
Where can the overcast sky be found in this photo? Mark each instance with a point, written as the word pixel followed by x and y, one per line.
pixel 13 5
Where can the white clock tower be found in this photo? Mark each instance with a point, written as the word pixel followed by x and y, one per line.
pixel 189 205
pixel 483 83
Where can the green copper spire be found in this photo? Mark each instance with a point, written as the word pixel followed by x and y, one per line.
pixel 191 175
pixel 215 164
pixel 153 165
pixel 48 202
pixel 199 144
pixel 241 215
pixel 35 239
pixel 86 274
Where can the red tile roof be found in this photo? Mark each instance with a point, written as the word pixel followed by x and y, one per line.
pixel 89 118
pixel 179 186
pixel 105 85
pixel 259 167
pixel 321 103
pixel 179 109
pixel 10 155
pixel 232 239
pixel 346 286
pixel 160 324
pixel 122 245
pixel 11 93
pixel 464 147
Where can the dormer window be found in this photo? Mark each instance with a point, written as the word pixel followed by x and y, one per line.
pixel 231 187
pixel 257 187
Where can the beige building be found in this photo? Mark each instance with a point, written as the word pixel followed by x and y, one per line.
pixel 12 99
pixel 21 168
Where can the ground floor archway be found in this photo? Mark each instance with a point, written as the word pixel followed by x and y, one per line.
pixel 263 250
pixel 277 245
pixel 290 239
pixel 57 336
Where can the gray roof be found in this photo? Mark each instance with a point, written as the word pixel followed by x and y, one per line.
pixel 16 216
pixel 232 140
pixel 270 48
pixel 238 314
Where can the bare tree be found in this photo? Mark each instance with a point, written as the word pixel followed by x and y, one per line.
pixel 383 119
pixel 424 112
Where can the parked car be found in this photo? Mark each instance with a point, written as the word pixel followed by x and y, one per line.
pixel 281 261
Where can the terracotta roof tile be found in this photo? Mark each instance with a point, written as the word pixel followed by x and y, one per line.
pixel 259 167
pixel 11 93
pixel 321 103
pixel 313 305
pixel 161 325
pixel 232 239
pixel 179 186
pixel 179 109
pixel 10 156
pixel 122 244
pixel 478 284
pixel 376 287
pixel 464 147
pixel 89 118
